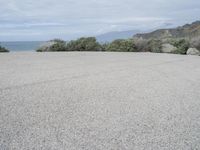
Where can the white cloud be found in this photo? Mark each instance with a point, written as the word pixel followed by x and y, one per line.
pixel 71 18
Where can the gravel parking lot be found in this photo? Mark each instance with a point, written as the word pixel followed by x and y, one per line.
pixel 97 100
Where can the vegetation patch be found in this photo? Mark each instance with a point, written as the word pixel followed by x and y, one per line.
pixel 121 46
pixel 3 49
pixel 182 46
pixel 84 44
pixel 170 45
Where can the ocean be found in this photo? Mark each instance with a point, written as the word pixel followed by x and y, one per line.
pixel 22 45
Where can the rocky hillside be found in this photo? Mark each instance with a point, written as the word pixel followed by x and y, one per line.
pixel 188 31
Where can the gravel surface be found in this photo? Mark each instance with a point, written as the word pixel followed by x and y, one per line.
pixel 95 100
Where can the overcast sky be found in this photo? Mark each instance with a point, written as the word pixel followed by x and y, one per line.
pixel 68 19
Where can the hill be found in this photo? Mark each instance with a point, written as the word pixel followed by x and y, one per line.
pixel 189 31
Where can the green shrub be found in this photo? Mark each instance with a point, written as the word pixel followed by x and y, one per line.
pixel 59 45
pixel 141 44
pixel 122 46
pixel 53 46
pixel 3 49
pixel 150 45
pixel 84 44
pixel 154 46
pixel 182 45
pixel 104 46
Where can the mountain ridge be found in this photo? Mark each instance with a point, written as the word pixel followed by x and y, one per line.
pixel 186 31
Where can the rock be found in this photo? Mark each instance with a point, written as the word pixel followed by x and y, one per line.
pixel 168 48
pixel 193 51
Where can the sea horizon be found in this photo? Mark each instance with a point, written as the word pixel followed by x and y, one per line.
pixel 16 46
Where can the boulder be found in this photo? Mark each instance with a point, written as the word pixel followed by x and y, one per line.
pixel 193 51
pixel 168 48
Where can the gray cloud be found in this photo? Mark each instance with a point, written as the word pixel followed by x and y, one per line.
pixel 45 19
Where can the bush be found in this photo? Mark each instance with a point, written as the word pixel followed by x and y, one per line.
pixel 53 46
pixel 84 44
pixel 150 45
pixel 122 46
pixel 59 45
pixel 182 45
pixel 3 49
pixel 154 46
pixel 141 44
pixel 104 46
